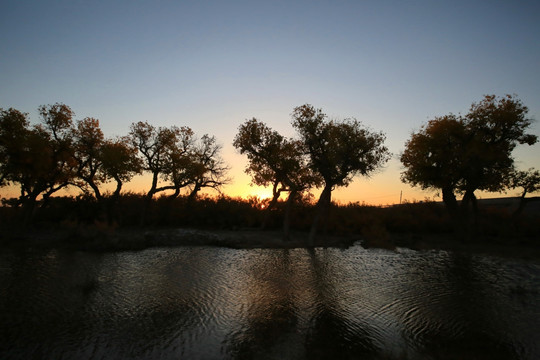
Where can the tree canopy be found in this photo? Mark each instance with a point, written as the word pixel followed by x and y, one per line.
pixel 273 159
pixel 36 158
pixel 176 159
pixel 58 152
pixel 462 154
pixel 338 151
pixel 276 161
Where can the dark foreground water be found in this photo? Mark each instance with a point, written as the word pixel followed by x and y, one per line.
pixel 217 303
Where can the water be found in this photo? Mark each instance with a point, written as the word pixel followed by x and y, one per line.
pixel 218 303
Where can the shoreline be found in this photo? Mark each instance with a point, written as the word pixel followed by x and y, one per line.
pixel 133 239
pixel 136 239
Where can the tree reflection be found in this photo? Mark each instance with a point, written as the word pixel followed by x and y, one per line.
pixel 273 326
pixel 459 316
pixel 332 333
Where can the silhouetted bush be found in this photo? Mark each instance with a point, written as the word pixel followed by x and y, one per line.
pixel 224 212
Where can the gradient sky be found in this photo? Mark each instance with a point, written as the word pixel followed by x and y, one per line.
pixel 211 65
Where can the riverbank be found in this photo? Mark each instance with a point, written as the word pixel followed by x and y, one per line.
pixel 134 239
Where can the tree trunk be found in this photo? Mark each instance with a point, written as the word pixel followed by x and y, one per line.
pixel 146 208
pixel 175 194
pixel 449 200
pixel 94 187
pixel 468 221
pixel 287 214
pixel 111 201
pixel 28 209
pixel 148 199
pixel 193 194
pixel 268 210
pixel 521 206
pixel 321 208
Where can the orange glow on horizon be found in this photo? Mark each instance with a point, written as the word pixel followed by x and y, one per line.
pixel 247 191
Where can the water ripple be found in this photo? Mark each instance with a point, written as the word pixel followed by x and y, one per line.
pixel 264 303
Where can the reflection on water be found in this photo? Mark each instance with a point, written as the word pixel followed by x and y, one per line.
pixel 215 303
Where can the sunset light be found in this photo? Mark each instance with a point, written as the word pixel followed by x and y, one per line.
pixel 142 142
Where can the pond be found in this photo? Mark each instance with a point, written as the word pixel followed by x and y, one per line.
pixel 219 303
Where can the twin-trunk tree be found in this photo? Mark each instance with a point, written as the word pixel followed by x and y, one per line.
pixel 327 154
pixel 463 154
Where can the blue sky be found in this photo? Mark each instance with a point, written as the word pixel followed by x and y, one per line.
pixel 212 64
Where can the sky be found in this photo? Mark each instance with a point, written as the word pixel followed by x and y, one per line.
pixel 210 65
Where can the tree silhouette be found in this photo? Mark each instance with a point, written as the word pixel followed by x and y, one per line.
pixel 208 170
pixel 119 162
pixel 176 160
pixel 338 151
pixel 463 154
pixel 433 158
pixel 57 120
pixel 529 182
pixel 14 128
pixel 275 161
pixel 164 153
pixel 88 143
pixel 39 159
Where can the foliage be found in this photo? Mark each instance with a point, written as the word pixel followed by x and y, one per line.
pixel 276 161
pixel 39 158
pixel 56 153
pixel 13 133
pixel 176 160
pixel 273 159
pixel 88 143
pixel 119 162
pixel 433 155
pixel 338 151
pixel 164 153
pixel 495 127
pixel 208 167
pixel 463 154
pixel 528 181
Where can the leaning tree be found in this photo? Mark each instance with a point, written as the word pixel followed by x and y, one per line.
pixel 274 160
pixel 338 151
pixel 207 167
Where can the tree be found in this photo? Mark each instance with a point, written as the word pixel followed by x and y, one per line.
pixel 119 162
pixel 463 154
pixel 529 182
pixel 88 144
pixel 495 125
pixel 14 127
pixel 262 146
pixel 338 151
pixel 274 161
pixel 176 160
pixel 433 158
pixel 55 130
pixel 39 158
pixel 208 170
pixel 165 154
